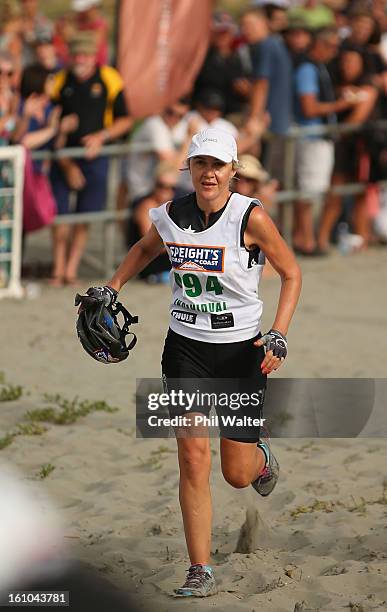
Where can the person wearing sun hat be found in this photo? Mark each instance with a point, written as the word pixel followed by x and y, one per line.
pixel 88 18
pixel 253 181
pixel 93 97
pixel 250 167
pixel 216 241
pixel 298 38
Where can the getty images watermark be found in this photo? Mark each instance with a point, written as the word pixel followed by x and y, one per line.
pixel 216 405
pixel 291 408
pixel 198 401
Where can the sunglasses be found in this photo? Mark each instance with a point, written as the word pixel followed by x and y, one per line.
pixel 161 185
pixel 7 73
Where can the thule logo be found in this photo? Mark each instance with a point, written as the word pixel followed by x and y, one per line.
pixel 184 317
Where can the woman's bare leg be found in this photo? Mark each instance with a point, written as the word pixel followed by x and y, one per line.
pixel 77 248
pixel 242 462
pixel 60 238
pixel 303 230
pixel 195 497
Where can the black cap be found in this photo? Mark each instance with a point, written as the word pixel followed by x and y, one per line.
pixel 211 98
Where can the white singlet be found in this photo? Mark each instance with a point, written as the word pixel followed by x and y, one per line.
pixel 214 278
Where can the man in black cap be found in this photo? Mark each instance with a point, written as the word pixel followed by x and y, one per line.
pixel 225 69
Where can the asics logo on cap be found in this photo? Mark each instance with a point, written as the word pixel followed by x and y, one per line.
pixel 214 142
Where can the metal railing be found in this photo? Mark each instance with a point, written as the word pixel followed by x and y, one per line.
pixel 284 198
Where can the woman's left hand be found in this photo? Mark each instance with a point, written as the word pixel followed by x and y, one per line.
pixel 276 350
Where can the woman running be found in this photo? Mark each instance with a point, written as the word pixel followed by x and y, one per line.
pixel 217 242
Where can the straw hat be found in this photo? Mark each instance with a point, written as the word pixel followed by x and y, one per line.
pixel 250 167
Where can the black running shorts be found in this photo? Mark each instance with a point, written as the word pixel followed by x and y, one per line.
pixel 233 367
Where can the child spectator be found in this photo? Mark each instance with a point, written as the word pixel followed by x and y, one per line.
pixel 37 127
pixel 38 119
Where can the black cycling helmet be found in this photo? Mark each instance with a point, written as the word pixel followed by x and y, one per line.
pixel 99 331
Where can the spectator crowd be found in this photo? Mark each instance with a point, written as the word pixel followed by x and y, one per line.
pixel 284 64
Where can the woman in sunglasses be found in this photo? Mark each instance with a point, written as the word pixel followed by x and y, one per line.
pixel 217 242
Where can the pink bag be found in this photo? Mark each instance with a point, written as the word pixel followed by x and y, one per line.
pixel 39 206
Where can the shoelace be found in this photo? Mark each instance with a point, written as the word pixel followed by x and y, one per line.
pixel 194 575
pixel 266 473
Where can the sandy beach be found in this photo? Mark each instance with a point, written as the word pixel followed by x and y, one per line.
pixel 318 543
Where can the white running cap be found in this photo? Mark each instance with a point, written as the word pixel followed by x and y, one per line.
pixel 83 5
pixel 215 143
